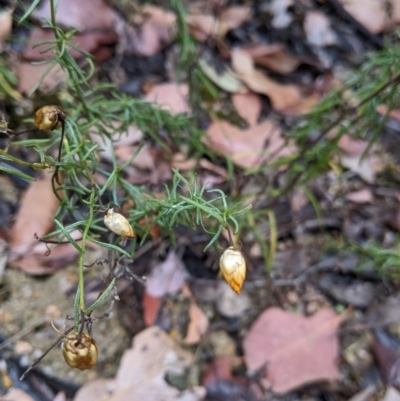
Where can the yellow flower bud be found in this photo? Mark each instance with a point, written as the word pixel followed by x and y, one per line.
pixel 49 118
pixel 80 351
pixel 118 224
pixel 233 268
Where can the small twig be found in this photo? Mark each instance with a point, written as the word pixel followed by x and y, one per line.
pixel 45 353
pixel 324 265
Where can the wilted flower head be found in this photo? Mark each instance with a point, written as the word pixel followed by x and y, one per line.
pixel 118 224
pixel 48 118
pixel 80 351
pixel 233 268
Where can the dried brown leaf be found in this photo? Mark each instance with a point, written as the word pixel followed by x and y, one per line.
pixel 248 106
pixel 274 57
pixel 143 160
pixel 15 394
pixel 153 30
pixel 180 161
pixel 352 158
pixel 248 148
pixel 370 13
pixel 151 306
pixel 352 146
pixel 88 42
pixel 170 96
pixel 95 21
pixel 296 350
pixel 392 394
pixel 395 14
pixel 60 396
pixel 205 26
pixel 298 199
pixel 128 137
pixel 220 369
pixel 144 366
pixel 5 24
pixel 95 390
pixel 233 17
pixel 35 261
pixel 29 74
pixel 284 98
pixel 146 360
pixel 383 110
pixel 35 215
pixel 362 196
pixel 202 26
pixel 83 16
pixel 198 324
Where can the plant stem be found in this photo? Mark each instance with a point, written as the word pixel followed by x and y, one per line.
pixel 81 286
pixel 101 298
pixel 35 166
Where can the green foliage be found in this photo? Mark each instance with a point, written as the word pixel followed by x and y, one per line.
pixel 105 111
pixel 7 82
pixel 351 109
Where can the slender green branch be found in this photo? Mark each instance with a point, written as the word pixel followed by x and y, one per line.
pixel 36 166
pixel 81 285
pixel 101 298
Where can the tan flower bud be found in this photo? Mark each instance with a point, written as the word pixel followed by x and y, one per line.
pixel 233 268
pixel 80 351
pixel 49 118
pixel 118 224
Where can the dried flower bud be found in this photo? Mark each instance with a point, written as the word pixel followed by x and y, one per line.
pixel 80 351
pixel 48 118
pixel 233 268
pixel 118 224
